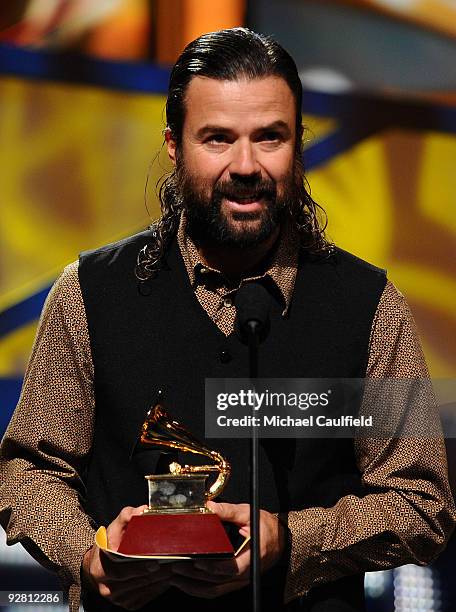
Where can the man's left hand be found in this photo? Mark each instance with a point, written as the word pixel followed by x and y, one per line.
pixel 213 578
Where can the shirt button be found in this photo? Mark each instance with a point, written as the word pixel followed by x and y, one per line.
pixel 227 302
pixel 204 270
pixel 225 356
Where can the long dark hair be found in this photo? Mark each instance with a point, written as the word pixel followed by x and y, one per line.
pixel 229 55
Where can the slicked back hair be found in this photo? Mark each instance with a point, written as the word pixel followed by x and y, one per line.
pixel 228 55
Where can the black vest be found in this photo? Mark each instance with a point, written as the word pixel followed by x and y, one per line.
pixel 161 338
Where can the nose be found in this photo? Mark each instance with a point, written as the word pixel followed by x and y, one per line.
pixel 244 161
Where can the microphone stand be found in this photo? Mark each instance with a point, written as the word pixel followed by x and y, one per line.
pixel 252 303
pixel 253 331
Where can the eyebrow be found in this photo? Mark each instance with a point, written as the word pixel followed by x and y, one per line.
pixel 212 129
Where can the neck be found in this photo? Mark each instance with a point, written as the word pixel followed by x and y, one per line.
pixel 236 263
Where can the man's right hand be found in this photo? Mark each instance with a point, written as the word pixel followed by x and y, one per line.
pixel 130 585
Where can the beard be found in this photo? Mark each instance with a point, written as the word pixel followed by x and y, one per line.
pixel 207 221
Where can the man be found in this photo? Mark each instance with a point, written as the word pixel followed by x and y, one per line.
pixel 235 209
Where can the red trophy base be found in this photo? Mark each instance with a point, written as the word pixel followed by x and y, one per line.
pixel 167 535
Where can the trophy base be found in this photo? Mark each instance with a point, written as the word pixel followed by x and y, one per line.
pixel 186 534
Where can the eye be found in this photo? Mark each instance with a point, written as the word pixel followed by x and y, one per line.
pixel 271 136
pixel 217 139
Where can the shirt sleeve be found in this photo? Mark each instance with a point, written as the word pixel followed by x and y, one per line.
pixel 48 441
pixel 408 512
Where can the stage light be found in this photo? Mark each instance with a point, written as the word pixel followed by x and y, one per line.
pixel 416 589
pixel 376 583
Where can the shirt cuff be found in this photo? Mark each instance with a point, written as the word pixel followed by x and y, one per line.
pixel 306 529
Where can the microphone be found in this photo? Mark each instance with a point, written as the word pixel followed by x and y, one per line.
pixel 252 308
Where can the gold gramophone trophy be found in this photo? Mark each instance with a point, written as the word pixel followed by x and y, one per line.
pixel 177 521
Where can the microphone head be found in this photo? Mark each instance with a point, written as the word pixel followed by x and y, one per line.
pixel 252 304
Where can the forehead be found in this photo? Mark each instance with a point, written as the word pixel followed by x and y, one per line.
pixel 239 104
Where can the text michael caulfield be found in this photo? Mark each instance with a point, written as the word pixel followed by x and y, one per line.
pixel 289 421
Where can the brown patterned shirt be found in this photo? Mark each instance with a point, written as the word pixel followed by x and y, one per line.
pixel 408 518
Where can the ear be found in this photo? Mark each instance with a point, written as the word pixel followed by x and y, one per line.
pixel 170 145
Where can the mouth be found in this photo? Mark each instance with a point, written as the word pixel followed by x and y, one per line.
pixel 251 203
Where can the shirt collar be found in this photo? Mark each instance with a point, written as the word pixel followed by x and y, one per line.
pixel 281 270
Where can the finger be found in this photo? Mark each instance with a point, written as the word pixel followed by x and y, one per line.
pixel 126 570
pixel 232 513
pixel 116 529
pixel 206 591
pixel 150 594
pixel 190 571
pixel 124 516
pixel 115 590
pixel 139 596
pixel 149 577
pixel 241 564
pixel 227 567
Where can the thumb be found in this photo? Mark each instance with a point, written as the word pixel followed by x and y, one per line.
pixel 124 516
pixel 239 514
pixel 116 529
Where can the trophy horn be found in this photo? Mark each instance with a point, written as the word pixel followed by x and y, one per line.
pixel 159 430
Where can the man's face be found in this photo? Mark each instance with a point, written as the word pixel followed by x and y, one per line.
pixel 235 164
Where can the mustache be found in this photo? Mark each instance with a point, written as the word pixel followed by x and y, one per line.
pixel 256 188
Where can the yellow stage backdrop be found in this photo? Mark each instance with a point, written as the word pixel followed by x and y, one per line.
pixel 391 200
pixel 74 160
